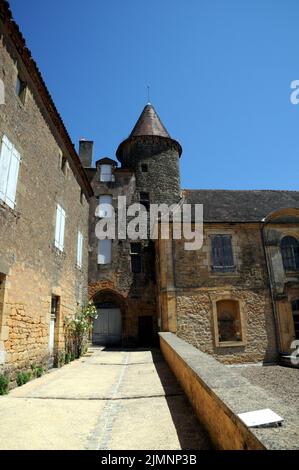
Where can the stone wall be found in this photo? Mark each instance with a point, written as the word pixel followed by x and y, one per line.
pixel 197 288
pixel 136 292
pixel 34 270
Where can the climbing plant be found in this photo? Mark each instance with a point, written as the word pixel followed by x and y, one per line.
pixel 77 330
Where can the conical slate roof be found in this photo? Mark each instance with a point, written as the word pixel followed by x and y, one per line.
pixel 149 123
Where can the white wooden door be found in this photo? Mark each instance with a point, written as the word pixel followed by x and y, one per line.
pixel 107 327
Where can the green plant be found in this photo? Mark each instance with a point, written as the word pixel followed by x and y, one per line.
pixel 4 382
pixel 23 378
pixel 37 370
pixel 77 329
pixel 61 359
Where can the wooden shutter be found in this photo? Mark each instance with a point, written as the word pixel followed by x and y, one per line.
pixel 105 203
pixel 79 249
pixel 13 178
pixel 9 172
pixel 59 229
pixel 222 254
pixel 106 173
pixel 104 251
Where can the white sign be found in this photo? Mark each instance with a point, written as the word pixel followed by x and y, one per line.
pixel 257 418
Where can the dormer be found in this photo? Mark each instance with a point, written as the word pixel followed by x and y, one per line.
pixel 105 167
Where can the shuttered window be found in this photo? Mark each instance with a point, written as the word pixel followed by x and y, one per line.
pixel 9 172
pixel 104 208
pixel 79 249
pixel 60 226
pixel 106 173
pixel 222 253
pixel 104 251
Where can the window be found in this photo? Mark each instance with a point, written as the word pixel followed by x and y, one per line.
pixel 222 253
pixel 104 251
pixel 136 258
pixel 9 172
pixel 81 196
pixel 105 208
pixel 228 321
pixel 79 249
pixel 290 253
pixel 21 89
pixel 295 310
pixel 144 200
pixel 106 173
pixel 63 164
pixel 59 230
pixel 144 167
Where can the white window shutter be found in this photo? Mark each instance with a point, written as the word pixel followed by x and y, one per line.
pixel 62 227
pixel 105 206
pixel 106 173
pixel 104 251
pixel 80 249
pixel 5 156
pixel 13 178
pixel 59 229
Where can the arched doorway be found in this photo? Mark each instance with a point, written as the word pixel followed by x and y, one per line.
pixel 107 328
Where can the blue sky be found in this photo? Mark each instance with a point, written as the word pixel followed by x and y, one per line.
pixel 219 72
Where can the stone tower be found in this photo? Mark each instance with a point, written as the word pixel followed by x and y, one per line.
pixel 122 275
pixel 154 157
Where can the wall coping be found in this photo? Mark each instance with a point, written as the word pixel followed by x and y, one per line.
pixel 236 394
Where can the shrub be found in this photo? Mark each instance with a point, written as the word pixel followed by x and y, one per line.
pixel 23 378
pixel 77 329
pixel 37 370
pixel 4 381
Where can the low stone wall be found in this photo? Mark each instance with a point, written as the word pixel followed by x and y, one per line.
pixel 218 395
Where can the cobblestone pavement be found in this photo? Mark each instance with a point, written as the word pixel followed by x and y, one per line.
pixel 109 399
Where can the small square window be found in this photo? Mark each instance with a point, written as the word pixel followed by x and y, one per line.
pixel 144 167
pixel 21 89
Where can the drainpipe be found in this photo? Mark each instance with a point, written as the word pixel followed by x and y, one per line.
pixel 278 340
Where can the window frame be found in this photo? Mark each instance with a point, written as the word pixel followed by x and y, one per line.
pixel 242 317
pixel 106 177
pixel 60 218
pixel 295 256
pixel 9 183
pixel 80 241
pixel 222 268
pixel 106 241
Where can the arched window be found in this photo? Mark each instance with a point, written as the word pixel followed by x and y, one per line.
pixel 290 253
pixel 229 322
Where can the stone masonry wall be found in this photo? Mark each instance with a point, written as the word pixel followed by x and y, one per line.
pixel 33 268
pixel 197 286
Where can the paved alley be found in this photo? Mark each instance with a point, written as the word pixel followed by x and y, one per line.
pixel 109 399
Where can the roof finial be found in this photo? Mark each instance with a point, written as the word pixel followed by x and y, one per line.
pixel 148 94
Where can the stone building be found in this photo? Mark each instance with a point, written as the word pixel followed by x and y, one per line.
pixel 44 209
pixel 235 298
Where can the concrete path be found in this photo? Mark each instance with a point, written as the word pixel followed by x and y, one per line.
pixel 109 399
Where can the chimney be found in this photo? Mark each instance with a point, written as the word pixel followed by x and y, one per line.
pixel 85 152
